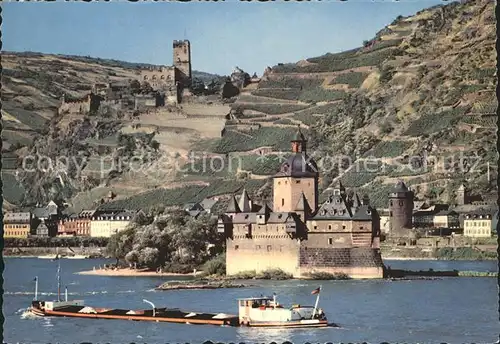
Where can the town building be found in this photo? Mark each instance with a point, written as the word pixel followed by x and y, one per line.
pixel 42 230
pixel 478 224
pixel 17 225
pixel 76 224
pixel 385 221
pixel 49 216
pixel 425 217
pixel 196 209
pixel 105 223
pixel 296 234
pixel 447 219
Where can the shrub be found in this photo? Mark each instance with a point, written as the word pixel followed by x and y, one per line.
pixel 215 266
pixel 386 127
pixel 328 276
pixel 250 274
pixel 273 274
pixel 178 268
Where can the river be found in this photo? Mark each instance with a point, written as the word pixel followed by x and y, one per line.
pixel 452 310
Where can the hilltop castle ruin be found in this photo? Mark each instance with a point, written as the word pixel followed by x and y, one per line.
pixel 166 83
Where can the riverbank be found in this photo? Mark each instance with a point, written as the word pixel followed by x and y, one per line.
pixel 34 252
pixel 127 272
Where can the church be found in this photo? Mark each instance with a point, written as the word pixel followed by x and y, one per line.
pixel 296 234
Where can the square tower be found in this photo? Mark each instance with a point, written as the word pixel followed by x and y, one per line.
pixel 182 62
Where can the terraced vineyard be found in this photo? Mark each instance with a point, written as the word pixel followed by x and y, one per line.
pixel 421 91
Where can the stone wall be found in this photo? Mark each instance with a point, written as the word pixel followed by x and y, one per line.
pixel 159 78
pixel 356 262
pixel 260 254
pixel 76 107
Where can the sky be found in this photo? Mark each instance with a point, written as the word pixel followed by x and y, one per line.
pixel 223 35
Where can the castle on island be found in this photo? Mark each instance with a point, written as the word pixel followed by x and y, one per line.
pixel 298 235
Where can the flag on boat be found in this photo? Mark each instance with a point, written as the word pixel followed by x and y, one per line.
pixel 34 279
pixel 316 291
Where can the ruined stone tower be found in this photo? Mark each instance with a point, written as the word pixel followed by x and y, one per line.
pixel 182 61
pixel 461 195
pixel 400 208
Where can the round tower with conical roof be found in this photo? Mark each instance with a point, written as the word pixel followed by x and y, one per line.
pixel 400 207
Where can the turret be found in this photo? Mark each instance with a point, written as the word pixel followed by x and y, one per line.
pixel 400 207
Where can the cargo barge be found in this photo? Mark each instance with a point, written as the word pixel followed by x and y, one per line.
pixel 253 312
pixel 77 309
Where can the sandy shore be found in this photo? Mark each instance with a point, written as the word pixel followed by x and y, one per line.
pixel 131 273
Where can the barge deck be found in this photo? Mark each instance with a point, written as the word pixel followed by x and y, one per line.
pixel 173 315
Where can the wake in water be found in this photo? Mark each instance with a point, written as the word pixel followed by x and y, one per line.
pixel 27 315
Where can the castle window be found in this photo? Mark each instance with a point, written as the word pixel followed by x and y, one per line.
pixel 145 77
pixel 236 247
pixel 281 248
pixel 315 227
pixel 297 181
pixel 269 248
pixel 391 203
pixel 390 213
pixel 360 227
pixel 401 203
pixel 330 241
pixel 282 202
pixel 343 227
pixel 279 183
pixel 329 226
pixel 257 247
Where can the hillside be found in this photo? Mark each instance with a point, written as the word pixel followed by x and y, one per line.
pixel 420 94
pixel 408 105
pixel 32 89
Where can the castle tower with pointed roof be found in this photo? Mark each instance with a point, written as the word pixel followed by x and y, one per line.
pixel 298 175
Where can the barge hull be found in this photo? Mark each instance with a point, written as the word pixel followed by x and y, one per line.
pixel 228 321
pixel 290 324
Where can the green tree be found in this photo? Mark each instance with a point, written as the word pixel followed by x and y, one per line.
pixel 121 243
